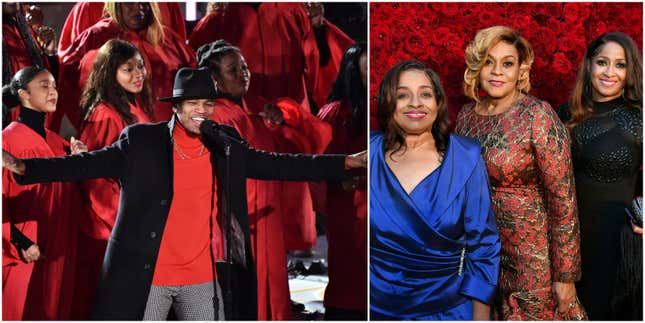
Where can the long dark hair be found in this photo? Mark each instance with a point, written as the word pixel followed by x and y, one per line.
pixel 349 86
pixel 581 101
pixel 102 86
pixel 386 105
pixel 34 51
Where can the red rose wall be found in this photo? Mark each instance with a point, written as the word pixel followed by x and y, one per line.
pixel 438 34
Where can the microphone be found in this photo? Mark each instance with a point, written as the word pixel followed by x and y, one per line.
pixel 209 128
pixel 216 135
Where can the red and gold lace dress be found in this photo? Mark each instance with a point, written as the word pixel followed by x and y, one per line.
pixel 528 157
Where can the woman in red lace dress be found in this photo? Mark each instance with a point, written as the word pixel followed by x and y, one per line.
pixel 526 149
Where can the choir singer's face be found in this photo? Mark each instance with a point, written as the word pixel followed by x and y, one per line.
pixel 41 94
pixel 131 74
pixel 136 15
pixel 234 76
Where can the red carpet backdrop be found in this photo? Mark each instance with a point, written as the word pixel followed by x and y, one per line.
pixel 438 34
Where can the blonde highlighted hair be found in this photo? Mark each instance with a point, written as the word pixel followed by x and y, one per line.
pixel 477 52
pixel 155 34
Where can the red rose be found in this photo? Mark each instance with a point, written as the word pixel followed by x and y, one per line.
pixel 448 10
pixel 455 44
pixel 561 64
pixel 572 42
pixel 438 33
pixel 440 36
pixel 415 46
pixel 485 18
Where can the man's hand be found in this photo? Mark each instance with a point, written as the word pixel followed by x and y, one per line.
pixel 31 254
pixel 272 114
pixel 358 160
pixel 12 163
pixel 47 39
pixel 77 146
pixel 315 13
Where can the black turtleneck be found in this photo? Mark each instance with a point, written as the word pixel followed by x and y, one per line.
pixel 602 107
pixel 33 119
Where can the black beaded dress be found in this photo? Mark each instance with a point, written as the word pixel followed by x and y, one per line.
pixel 607 159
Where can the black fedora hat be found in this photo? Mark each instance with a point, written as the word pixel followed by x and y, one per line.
pixel 190 84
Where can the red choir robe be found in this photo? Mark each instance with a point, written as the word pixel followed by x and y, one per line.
pixel 277 42
pixel 346 219
pixel 102 128
pixel 82 16
pixel 162 62
pixel 86 14
pixel 48 215
pixel 19 58
pixel 338 42
pixel 265 202
pixel 172 18
pixel 305 134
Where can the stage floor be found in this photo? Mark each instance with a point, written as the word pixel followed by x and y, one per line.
pixel 309 289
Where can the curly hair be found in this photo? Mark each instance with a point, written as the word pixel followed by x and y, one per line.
pixel 581 97
pixel 394 136
pixel 102 85
pixel 478 49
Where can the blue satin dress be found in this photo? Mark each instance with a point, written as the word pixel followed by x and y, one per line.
pixel 434 250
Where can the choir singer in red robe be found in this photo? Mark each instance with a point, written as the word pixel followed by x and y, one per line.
pixel 163 50
pixel 332 44
pixel 282 126
pixel 346 208
pixel 86 14
pixel 45 214
pixel 276 39
pixel 117 94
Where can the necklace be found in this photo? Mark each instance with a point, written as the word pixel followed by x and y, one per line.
pixel 183 155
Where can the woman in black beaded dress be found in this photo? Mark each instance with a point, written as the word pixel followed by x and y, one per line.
pixel 604 116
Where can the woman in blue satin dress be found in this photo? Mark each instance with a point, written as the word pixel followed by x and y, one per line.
pixel 434 247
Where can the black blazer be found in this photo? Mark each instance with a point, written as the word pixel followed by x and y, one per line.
pixel 142 162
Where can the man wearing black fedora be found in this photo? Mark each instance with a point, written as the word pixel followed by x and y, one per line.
pixel 182 224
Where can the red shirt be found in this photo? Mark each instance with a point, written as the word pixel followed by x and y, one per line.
pixel 185 252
